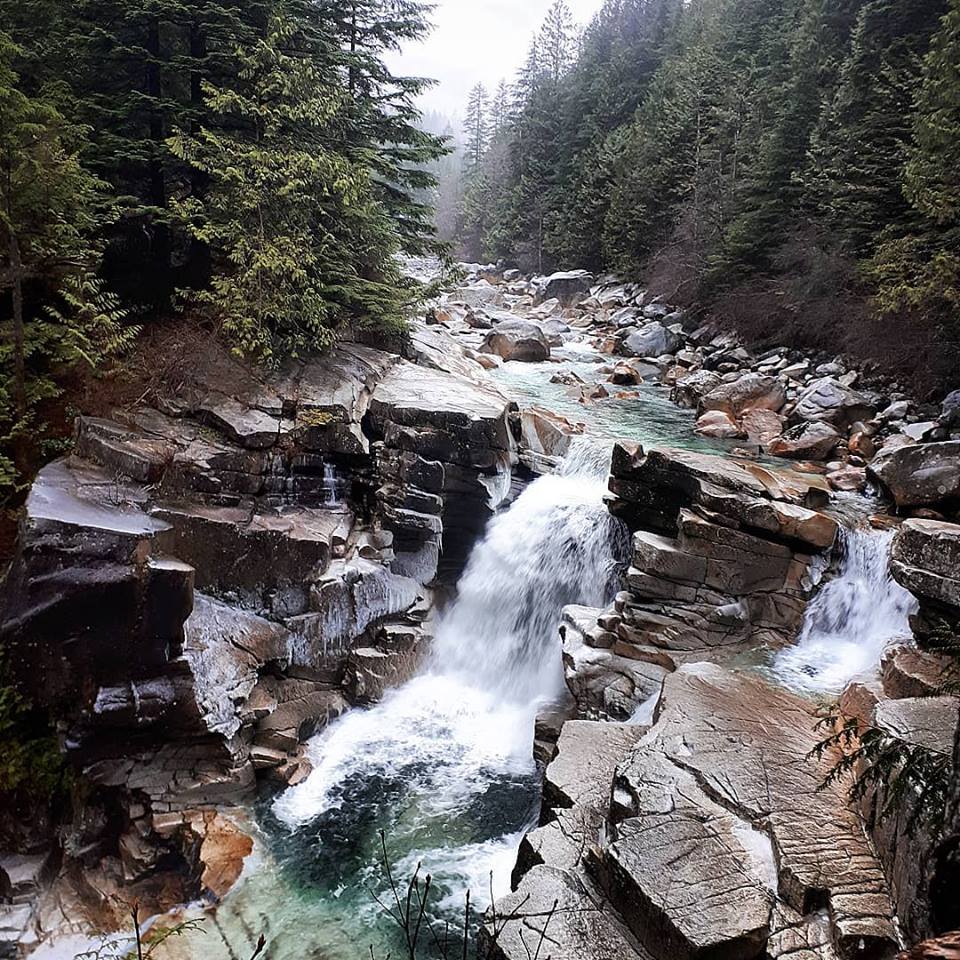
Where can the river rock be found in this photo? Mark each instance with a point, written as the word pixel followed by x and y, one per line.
pixel 762 426
pixel 480 294
pixel 706 840
pixel 518 340
pixel 690 389
pixel 920 475
pixel 653 340
pixel 808 441
pixel 910 672
pixel 719 425
pixel 545 438
pixel 828 401
pixel 925 558
pixel 752 391
pixel 567 287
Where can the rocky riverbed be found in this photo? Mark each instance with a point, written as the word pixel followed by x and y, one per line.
pixel 566 534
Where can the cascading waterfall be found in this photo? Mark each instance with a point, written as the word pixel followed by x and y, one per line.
pixel 853 619
pixel 444 765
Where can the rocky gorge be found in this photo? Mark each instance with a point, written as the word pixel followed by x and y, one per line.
pixel 564 536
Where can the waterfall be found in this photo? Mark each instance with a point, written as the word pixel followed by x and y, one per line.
pixel 444 764
pixel 853 619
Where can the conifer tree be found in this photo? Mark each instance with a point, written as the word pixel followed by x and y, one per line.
pixel 301 241
pixel 476 127
pixel 51 209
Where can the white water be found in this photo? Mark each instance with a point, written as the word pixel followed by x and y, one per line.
pixel 449 753
pixel 853 619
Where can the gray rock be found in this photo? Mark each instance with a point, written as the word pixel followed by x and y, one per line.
pixel 653 340
pixel 921 474
pixel 518 340
pixel 752 391
pixel 807 441
pixel 829 401
pixel 925 559
pixel 566 287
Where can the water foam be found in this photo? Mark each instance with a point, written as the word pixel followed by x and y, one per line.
pixel 456 740
pixel 853 619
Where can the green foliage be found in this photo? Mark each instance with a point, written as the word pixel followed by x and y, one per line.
pixel 908 776
pixel 31 764
pixel 290 217
pixel 61 315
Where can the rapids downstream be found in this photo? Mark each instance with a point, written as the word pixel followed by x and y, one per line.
pixel 442 767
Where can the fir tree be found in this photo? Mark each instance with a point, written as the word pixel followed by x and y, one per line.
pixel 476 127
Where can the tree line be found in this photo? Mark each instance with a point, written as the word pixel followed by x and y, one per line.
pixel 788 166
pixel 253 162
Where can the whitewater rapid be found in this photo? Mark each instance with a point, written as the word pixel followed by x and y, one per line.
pixel 450 751
pixel 852 620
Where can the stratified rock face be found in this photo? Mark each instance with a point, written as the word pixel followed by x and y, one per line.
pixel 310 507
pixel 919 475
pixel 721 552
pixel 926 560
pixel 709 837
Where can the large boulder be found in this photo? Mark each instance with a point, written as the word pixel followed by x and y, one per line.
pixel 545 438
pixel 827 400
pixel 689 390
pixel 517 340
pixel 925 559
pixel 722 819
pixel 653 340
pixel 920 475
pixel 567 287
pixel 752 391
pixel 807 441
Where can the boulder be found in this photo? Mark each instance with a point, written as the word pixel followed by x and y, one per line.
pixel 761 426
pixel 828 401
pixel 707 839
pixel 752 391
pixel 808 441
pixel 925 558
pixel 920 475
pixel 718 425
pixel 690 389
pixel 567 287
pixel 517 340
pixel 910 672
pixel 950 410
pixel 479 294
pixel 653 340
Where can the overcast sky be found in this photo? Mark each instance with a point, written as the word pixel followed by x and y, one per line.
pixel 477 40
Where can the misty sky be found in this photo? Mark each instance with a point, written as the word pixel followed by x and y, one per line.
pixel 477 40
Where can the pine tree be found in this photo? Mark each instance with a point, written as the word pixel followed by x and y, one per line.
pixel 51 209
pixel 476 127
pixel 302 242
pixel 500 110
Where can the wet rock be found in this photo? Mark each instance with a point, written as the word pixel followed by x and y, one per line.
pixel 925 559
pixel 809 441
pixel 707 839
pixel 847 478
pixel 653 340
pixel 828 401
pixel 545 438
pixel 518 340
pixel 910 672
pixel 752 391
pixel 920 474
pixel 718 425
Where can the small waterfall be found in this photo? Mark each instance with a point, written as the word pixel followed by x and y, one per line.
pixel 444 765
pixel 331 485
pixel 557 545
pixel 853 619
